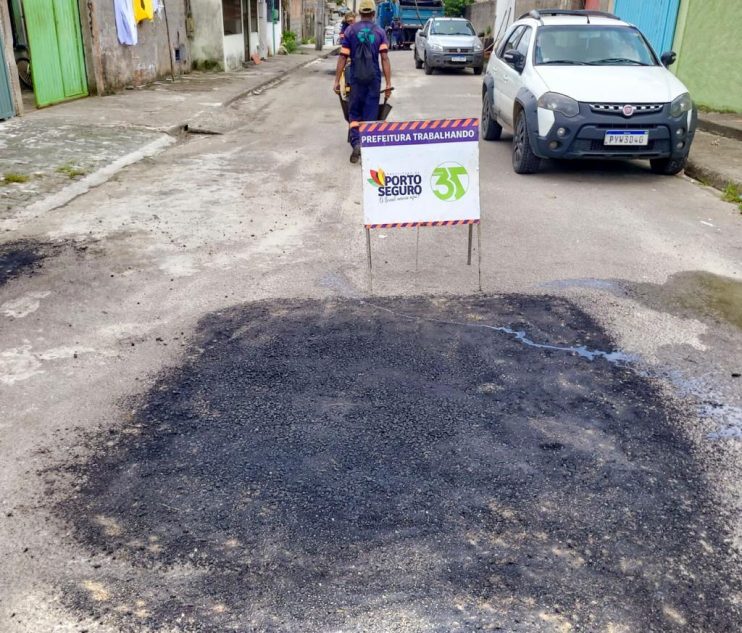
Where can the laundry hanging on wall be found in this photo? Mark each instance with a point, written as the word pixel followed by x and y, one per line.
pixel 143 10
pixel 126 25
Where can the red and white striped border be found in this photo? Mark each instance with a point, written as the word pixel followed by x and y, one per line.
pixel 412 225
pixel 401 126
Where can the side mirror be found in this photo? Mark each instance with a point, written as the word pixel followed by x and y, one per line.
pixel 668 58
pixel 422 34
pixel 515 58
pixel 480 34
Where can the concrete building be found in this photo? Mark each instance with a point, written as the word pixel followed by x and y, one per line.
pixel 228 32
pixel 76 46
pixel 705 36
pixel 484 13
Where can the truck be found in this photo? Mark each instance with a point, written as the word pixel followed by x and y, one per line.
pixel 412 14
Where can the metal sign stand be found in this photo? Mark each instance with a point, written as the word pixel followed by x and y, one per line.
pixel 417 249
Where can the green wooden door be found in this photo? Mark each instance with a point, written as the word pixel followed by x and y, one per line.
pixel 55 42
pixel 6 101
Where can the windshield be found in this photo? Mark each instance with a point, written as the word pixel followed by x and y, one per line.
pixel 592 45
pixel 451 27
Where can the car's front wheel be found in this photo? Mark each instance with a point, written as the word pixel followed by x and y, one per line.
pixel 668 166
pixel 491 129
pixel 428 67
pixel 418 61
pixel 524 160
pixel 477 70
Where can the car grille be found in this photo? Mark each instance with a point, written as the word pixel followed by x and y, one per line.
pixel 617 108
pixel 459 50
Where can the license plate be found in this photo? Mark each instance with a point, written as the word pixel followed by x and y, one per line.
pixel 458 59
pixel 626 137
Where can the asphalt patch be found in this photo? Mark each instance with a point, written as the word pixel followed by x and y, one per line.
pixel 340 465
pixel 16 258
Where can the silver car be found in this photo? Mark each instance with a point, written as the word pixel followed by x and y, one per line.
pixel 448 43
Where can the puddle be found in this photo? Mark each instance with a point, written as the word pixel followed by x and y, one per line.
pixel 694 293
pixel 18 257
pixel 614 357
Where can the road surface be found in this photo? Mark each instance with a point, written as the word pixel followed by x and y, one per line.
pixel 214 418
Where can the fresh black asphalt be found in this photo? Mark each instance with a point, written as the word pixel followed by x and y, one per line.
pixel 398 466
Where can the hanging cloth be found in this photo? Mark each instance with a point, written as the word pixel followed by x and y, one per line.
pixel 126 26
pixel 143 10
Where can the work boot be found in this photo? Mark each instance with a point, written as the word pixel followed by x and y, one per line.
pixel 355 155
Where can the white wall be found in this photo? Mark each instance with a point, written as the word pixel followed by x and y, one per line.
pixel 234 51
pixel 207 45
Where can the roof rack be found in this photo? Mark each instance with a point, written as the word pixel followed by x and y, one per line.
pixel 536 15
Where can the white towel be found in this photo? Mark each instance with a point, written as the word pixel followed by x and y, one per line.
pixel 126 27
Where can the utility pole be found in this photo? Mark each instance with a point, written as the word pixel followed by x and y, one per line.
pixel 319 25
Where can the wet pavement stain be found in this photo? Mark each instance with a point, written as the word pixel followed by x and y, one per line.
pixel 331 465
pixel 18 258
pixel 697 294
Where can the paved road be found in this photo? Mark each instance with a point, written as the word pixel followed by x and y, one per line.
pixel 214 419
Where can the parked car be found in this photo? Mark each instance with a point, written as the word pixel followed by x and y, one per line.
pixel 584 84
pixel 448 43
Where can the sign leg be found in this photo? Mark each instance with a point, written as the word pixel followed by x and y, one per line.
pixel 471 230
pixel 479 252
pixel 368 247
pixel 417 247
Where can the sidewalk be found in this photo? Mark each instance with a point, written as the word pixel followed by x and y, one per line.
pixel 51 156
pixel 716 154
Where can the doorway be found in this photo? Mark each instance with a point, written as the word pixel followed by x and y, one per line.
pixel 6 98
pixel 52 29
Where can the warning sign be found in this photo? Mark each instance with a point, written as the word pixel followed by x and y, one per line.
pixel 420 173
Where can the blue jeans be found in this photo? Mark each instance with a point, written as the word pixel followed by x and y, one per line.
pixel 363 106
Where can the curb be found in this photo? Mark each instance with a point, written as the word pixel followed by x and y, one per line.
pixel 707 175
pixel 82 186
pixel 719 129
pixel 264 84
pixel 105 173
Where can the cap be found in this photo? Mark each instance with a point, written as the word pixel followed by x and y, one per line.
pixel 367 6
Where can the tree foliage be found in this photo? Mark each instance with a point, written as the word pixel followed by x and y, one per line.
pixel 455 8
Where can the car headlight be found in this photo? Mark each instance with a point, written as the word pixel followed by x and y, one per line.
pixel 559 103
pixel 478 45
pixel 680 105
pixel 436 47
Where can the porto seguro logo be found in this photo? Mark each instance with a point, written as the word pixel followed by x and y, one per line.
pixel 396 186
pixel 450 181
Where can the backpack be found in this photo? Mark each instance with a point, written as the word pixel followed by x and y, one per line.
pixel 364 67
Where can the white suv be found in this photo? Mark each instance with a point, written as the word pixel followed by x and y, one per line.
pixel 584 84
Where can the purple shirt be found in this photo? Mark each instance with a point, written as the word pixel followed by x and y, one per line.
pixel 364 30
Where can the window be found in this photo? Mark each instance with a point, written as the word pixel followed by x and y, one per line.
pixel 511 41
pixel 525 40
pixel 452 27
pixel 254 15
pixel 232 10
pixel 593 46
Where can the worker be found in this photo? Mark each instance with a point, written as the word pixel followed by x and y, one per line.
pixel 364 43
pixel 396 38
pixel 348 19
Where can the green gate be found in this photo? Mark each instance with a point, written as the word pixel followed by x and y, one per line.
pixel 6 100
pixel 55 42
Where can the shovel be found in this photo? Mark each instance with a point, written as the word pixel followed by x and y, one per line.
pixel 384 110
